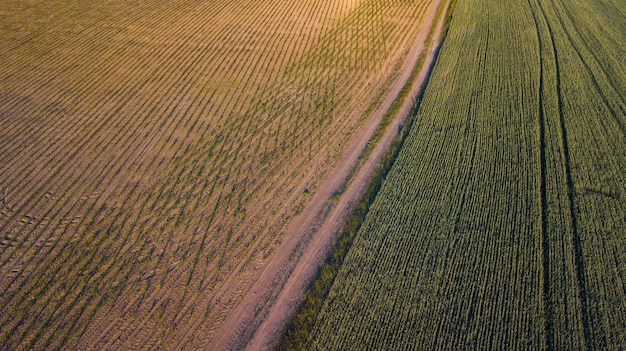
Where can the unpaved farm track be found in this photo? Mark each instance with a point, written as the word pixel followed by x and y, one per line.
pixel 277 293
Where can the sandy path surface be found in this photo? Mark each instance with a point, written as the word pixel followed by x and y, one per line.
pixel 275 295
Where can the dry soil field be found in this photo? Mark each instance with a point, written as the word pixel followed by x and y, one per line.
pixel 152 154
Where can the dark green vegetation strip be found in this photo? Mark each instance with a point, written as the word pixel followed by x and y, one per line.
pixel 502 223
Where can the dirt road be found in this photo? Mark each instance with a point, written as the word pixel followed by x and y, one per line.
pixel 275 295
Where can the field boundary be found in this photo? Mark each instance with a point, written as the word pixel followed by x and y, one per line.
pixel 328 223
pixel 298 330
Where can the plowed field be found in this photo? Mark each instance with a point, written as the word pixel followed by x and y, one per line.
pixel 152 154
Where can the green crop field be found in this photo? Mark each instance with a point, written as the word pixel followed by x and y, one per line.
pixel 502 224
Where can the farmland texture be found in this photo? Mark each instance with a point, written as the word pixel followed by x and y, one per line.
pixel 151 153
pixel 502 224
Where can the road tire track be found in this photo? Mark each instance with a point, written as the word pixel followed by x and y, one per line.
pixel 576 242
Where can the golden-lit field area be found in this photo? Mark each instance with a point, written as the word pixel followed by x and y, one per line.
pixel 152 154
